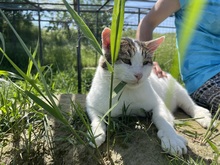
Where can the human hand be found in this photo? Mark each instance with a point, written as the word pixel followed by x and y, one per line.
pixel 158 71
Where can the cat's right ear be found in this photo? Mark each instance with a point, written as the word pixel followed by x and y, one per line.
pixel 154 44
pixel 106 39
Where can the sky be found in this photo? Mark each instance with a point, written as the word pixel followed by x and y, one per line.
pixel 168 24
pixel 129 18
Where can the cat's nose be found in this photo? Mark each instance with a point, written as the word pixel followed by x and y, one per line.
pixel 138 76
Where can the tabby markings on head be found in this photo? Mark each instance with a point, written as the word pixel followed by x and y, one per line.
pixel 128 49
pixel 146 52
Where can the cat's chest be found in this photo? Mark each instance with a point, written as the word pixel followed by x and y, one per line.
pixel 134 100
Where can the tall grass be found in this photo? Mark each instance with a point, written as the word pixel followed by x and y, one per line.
pixel 34 91
pixel 44 99
pixel 115 39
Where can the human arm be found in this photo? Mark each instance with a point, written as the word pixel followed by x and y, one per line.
pixel 159 12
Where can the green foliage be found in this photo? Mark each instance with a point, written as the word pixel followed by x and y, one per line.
pixel 193 15
pixel 128 32
pixel 59 39
pixel 83 27
pixel 60 50
pixel 116 29
pixel 66 81
pixel 22 99
pixel 89 56
pixel 46 101
pixel 167 55
pixel 27 31
pixel 18 114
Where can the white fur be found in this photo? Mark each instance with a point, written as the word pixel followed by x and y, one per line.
pixel 148 93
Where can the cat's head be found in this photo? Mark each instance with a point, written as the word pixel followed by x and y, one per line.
pixel 135 58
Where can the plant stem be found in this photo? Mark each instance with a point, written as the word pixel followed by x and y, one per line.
pixel 212 127
pixel 109 114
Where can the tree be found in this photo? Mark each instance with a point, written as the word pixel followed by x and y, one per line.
pixel 95 20
pixel 21 21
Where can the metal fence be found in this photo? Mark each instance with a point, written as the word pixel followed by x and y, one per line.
pixel 43 14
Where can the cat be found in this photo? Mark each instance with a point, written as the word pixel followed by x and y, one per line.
pixel 143 90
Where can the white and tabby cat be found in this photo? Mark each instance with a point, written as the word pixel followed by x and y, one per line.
pixel 144 90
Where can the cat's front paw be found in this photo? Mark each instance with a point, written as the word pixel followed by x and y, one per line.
pixel 99 135
pixel 172 144
pixel 203 116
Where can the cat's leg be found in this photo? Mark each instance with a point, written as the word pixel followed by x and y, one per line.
pixel 184 101
pixel 98 128
pixel 171 142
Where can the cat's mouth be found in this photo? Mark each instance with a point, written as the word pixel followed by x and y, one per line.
pixel 135 83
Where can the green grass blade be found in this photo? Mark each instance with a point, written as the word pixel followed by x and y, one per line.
pixel 193 15
pixel 48 108
pixel 30 64
pixel 34 62
pixel 3 45
pixel 214 147
pixel 31 81
pixel 109 66
pixel 9 74
pixel 115 40
pixel 118 88
pixel 212 127
pixel 22 73
pixel 116 28
pixel 83 27
pixel 109 111
pixel 3 41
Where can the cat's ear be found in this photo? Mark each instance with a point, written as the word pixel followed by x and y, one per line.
pixel 106 39
pixel 154 44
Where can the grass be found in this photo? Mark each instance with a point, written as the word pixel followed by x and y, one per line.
pixel 17 126
pixel 22 126
pixel 24 123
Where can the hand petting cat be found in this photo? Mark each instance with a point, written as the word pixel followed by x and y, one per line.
pixel 158 71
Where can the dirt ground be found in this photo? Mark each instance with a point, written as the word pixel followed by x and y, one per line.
pixel 137 145
pixel 142 145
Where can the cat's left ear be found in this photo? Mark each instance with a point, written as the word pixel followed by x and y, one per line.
pixel 106 39
pixel 154 44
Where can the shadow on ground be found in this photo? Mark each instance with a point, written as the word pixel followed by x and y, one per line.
pixel 136 144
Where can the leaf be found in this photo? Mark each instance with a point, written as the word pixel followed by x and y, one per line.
pixel 118 88
pixel 109 66
pixel 83 27
pixel 49 96
pixel 116 28
pixel 214 147
pixel 30 64
pixel 193 16
pixel 3 41
pixel 9 74
pixel 21 72
pixel 109 111
pixel 53 109
pixel 55 113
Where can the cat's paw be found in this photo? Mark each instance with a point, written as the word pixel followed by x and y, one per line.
pixel 203 116
pixel 99 135
pixel 172 144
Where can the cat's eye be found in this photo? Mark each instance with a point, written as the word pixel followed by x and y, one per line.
pixel 126 61
pixel 145 62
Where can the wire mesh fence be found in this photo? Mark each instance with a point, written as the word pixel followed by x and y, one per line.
pixel 60 42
